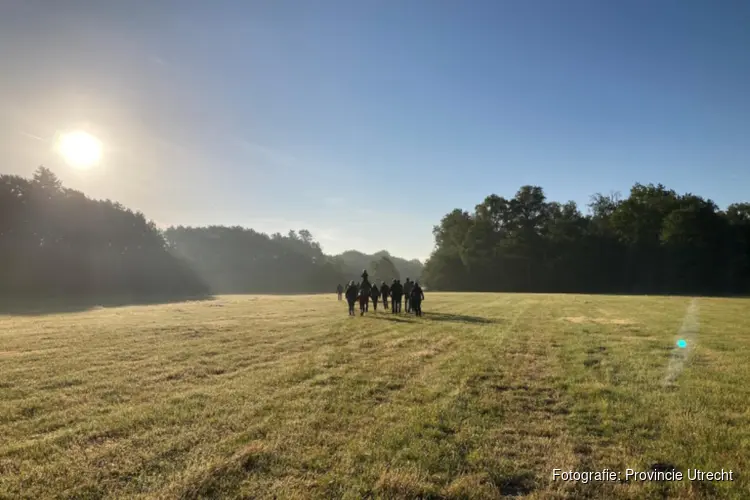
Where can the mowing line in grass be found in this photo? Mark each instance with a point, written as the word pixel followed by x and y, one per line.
pixel 686 341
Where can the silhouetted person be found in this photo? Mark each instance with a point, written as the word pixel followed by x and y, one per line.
pixel 374 295
pixel 385 291
pixel 364 297
pixel 351 296
pixel 397 290
pixel 407 294
pixel 417 296
pixel 340 290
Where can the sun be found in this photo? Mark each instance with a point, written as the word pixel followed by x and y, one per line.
pixel 79 149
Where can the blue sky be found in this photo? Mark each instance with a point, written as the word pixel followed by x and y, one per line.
pixel 366 121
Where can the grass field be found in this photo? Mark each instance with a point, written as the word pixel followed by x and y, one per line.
pixel 288 397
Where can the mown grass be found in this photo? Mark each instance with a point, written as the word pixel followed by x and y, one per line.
pixel 288 397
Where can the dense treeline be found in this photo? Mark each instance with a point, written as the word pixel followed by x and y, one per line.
pixel 239 260
pixel 381 265
pixel 57 242
pixel 654 241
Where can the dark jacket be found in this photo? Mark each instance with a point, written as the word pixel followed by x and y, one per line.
pixel 417 293
pixel 351 293
pixel 385 290
pixel 397 290
pixel 374 292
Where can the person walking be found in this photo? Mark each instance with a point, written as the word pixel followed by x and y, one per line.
pixel 364 297
pixel 407 294
pixel 374 295
pixel 351 297
pixel 394 289
pixel 340 290
pixel 417 296
pixel 385 291
pixel 397 291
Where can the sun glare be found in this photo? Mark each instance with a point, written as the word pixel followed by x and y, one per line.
pixel 79 149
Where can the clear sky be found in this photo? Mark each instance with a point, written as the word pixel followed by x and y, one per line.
pixel 366 121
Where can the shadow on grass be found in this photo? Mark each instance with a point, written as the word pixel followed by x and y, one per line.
pixel 60 305
pixel 457 318
pixel 392 317
pixel 433 316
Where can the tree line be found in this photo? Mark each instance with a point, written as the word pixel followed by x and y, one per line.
pixel 655 241
pixel 381 266
pixel 240 260
pixel 57 242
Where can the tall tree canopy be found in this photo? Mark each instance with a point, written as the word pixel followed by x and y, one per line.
pixel 239 260
pixel 653 241
pixel 383 270
pixel 353 262
pixel 55 241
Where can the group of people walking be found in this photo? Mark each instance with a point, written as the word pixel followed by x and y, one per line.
pixel 364 291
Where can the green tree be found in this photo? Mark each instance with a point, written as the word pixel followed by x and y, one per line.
pixel 55 241
pixel 652 241
pixel 383 269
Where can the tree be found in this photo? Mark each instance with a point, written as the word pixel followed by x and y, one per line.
pixel 240 260
pixel 692 238
pixel 352 262
pixel 55 241
pixel 652 241
pixel 306 236
pixel 383 270
pixel 47 180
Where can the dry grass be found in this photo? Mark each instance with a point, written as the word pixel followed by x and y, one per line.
pixel 288 397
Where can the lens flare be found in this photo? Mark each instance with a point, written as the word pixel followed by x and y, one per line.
pixel 681 344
